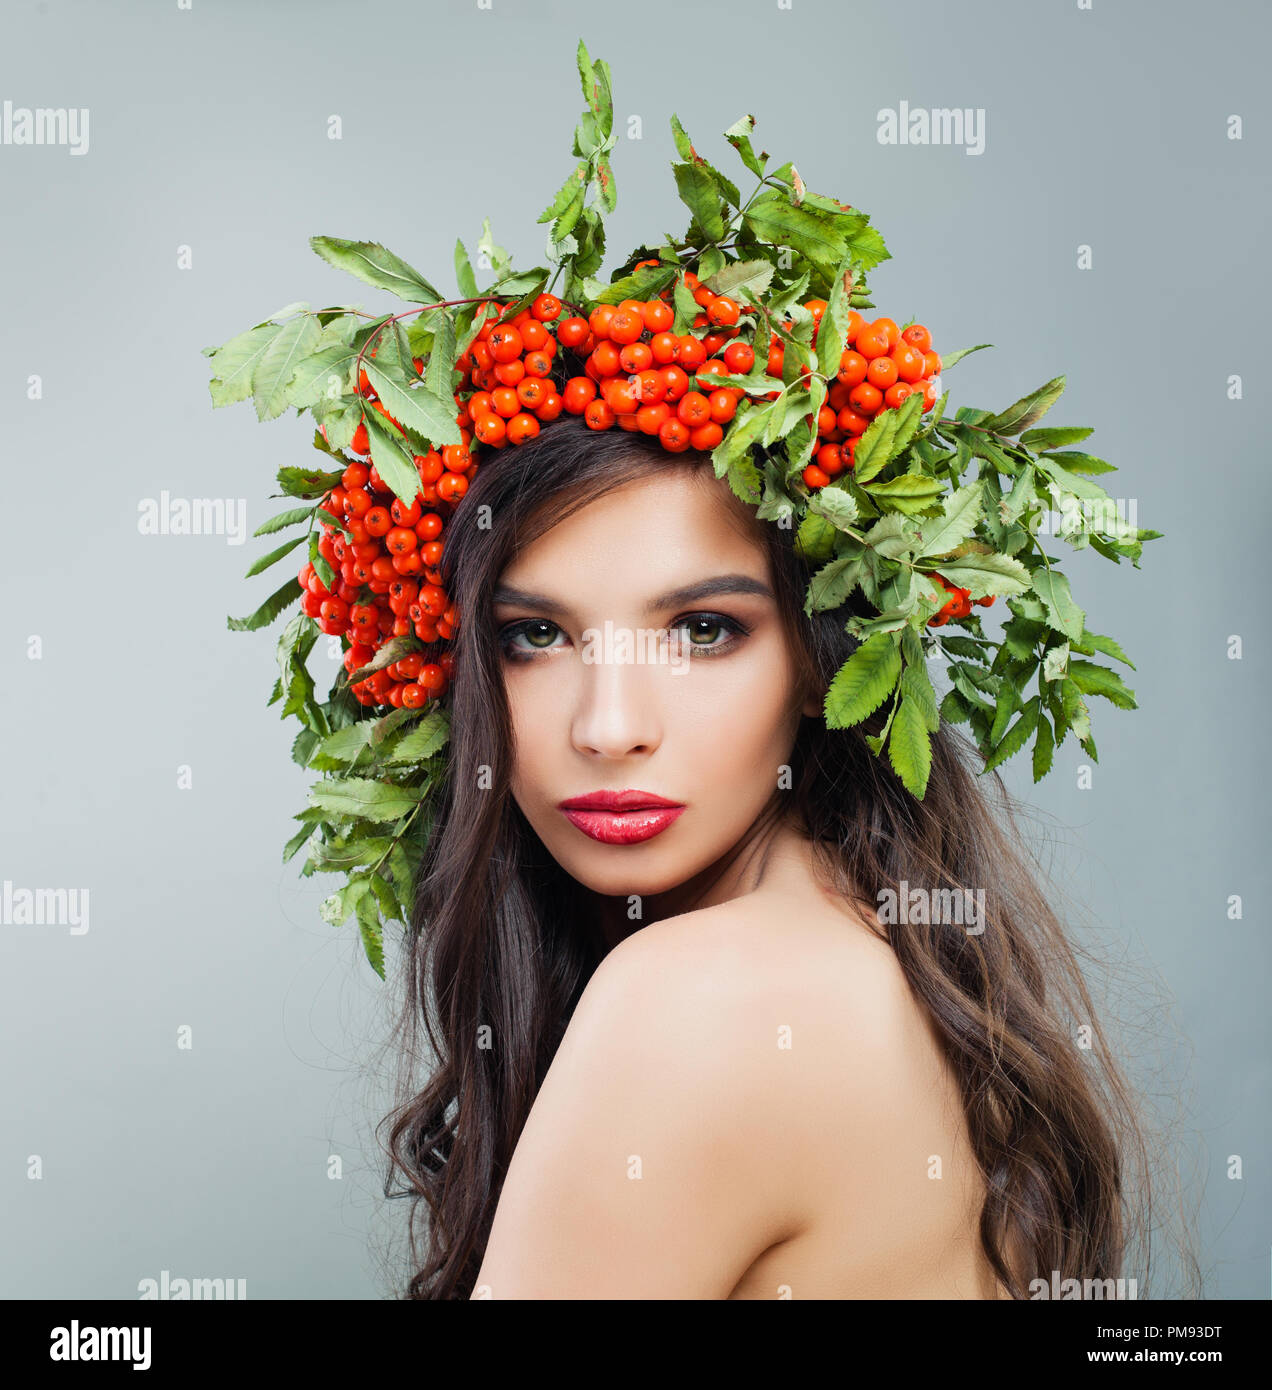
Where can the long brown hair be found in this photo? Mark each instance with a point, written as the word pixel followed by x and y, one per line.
pixel 501 943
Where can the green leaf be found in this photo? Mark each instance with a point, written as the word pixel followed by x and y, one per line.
pixel 939 535
pixel 885 436
pixel 1094 679
pixel 910 747
pixel 268 610
pixel 423 741
pixel 392 461
pixel 292 517
pixel 423 410
pixel 307 482
pixel 364 798
pixel 700 195
pixel 1062 613
pixel 393 650
pixel 265 561
pixel 464 276
pixel 773 218
pixel 325 375
pixel 276 366
pixel 346 744
pixel 739 136
pixel 1083 463
pixel 292 847
pixel 375 265
pixel 1026 411
pixel 863 682
pixel 835 504
pixel 1093 642
pixel 753 275
pixel 893 536
pixel 369 926
pixel 1017 736
pixel 954 708
pixel 983 575
pixel 1044 747
pixel 571 191
pixel 1055 437
pixel 646 283
pixel 948 359
pixel 235 363
pixel 833 583
pixel 908 492
pixel 1071 482
pixel 916 688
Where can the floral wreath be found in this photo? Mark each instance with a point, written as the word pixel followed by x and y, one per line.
pixel 744 340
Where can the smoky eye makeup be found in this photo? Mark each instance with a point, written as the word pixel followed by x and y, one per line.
pixel 526 638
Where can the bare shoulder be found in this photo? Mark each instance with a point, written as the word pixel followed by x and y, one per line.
pixel 674 1139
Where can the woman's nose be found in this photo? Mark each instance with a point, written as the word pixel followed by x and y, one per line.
pixel 618 704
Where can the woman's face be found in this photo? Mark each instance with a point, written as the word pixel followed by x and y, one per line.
pixel 702 714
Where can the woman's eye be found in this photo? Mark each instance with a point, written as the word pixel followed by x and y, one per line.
pixel 539 635
pixel 706 631
pixel 708 634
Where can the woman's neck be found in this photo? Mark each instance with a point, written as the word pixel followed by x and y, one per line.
pixel 755 863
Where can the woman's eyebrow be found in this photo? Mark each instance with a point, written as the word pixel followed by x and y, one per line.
pixel 687 593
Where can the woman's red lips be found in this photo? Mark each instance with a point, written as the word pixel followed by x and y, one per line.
pixel 621 817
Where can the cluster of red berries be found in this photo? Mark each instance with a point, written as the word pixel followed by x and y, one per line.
pixel 880 367
pixel 639 375
pixel 959 603
pixel 386 563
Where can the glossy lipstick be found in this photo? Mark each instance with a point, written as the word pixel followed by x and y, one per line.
pixel 621 817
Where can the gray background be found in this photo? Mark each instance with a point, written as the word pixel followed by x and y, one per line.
pixel 208 128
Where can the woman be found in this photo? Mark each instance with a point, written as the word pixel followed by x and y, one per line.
pixel 684 1053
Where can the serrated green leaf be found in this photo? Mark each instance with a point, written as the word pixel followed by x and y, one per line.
pixel 1093 642
pixel 1062 613
pixel 392 461
pixel 292 517
pixel 422 742
pixel 885 437
pixel 234 363
pixel 962 510
pixel 1017 736
pixel 835 504
pixel 698 192
pixel 863 682
pixel 376 265
pixel 264 561
pixel 910 747
pixel 916 686
pixel 1055 437
pixel 1027 411
pixel 268 610
pixel 326 374
pixel 982 575
pixel 307 482
pixel 1044 747
pixel 366 911
pixel 739 136
pixel 1094 679
pixel 293 342
pixel 364 798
